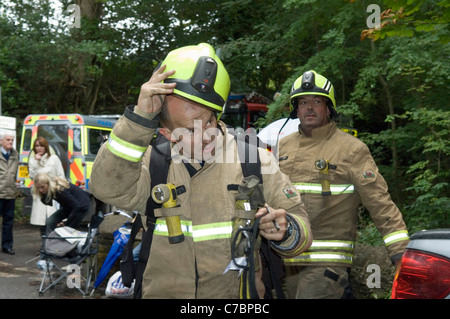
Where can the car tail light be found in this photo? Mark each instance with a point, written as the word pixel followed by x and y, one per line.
pixel 422 275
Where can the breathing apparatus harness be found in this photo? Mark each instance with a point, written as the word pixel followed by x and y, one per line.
pixel 245 240
pixel 159 168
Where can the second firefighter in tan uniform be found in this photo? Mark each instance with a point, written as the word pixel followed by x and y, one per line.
pixel 198 266
pixel 335 173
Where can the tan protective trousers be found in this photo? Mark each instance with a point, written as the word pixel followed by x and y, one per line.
pixel 316 282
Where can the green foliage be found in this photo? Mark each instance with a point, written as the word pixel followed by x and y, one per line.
pixel 368 233
pixel 408 18
pixel 429 204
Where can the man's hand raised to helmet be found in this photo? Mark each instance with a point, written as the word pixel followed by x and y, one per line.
pixel 149 101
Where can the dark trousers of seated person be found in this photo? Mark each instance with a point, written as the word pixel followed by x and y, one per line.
pixel 74 218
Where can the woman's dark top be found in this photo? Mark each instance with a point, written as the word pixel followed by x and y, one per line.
pixel 73 201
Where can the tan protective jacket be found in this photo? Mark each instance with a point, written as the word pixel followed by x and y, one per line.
pixel 354 179
pixel 195 267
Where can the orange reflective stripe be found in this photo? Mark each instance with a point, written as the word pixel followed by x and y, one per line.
pixel 70 150
pixel 75 167
pixel 76 171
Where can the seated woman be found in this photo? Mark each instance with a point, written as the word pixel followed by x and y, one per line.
pixel 74 202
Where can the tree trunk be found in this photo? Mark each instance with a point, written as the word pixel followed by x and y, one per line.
pixel 88 84
pixel 90 9
pixel 393 122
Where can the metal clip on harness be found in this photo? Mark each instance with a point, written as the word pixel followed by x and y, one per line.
pixel 248 283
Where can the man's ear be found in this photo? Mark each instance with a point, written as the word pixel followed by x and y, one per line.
pixel 167 134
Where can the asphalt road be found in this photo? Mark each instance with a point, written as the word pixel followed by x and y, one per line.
pixel 19 276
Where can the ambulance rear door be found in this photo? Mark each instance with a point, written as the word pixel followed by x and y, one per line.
pixel 56 130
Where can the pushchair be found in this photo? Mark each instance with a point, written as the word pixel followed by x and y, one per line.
pixel 76 249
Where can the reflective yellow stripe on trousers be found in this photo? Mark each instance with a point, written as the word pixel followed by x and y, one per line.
pixel 198 232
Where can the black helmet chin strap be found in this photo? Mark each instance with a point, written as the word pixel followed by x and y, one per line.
pixel 293 116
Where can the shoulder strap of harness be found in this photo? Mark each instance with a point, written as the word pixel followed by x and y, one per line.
pixel 273 273
pixel 159 169
pixel 249 156
pixel 272 263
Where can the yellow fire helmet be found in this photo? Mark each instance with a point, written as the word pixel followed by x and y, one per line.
pixel 312 83
pixel 200 75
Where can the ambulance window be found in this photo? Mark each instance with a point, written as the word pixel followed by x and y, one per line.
pixel 27 140
pixel 55 134
pixel 96 139
pixel 76 140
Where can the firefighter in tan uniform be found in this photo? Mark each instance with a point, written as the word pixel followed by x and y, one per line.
pixel 335 173
pixel 186 95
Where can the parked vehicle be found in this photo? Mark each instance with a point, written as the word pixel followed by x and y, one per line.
pixel 243 110
pixel 425 267
pixel 74 138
